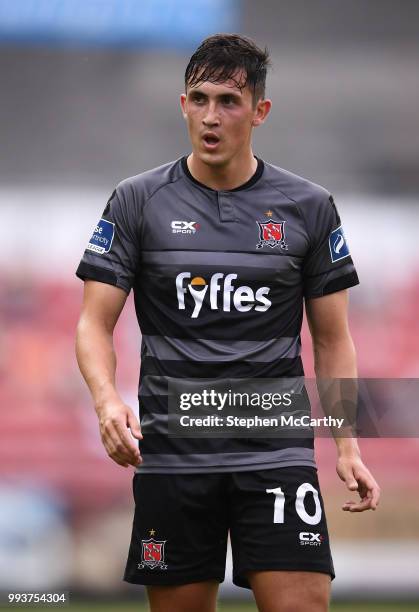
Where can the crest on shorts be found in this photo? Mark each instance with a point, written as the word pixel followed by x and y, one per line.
pixel 272 234
pixel 152 554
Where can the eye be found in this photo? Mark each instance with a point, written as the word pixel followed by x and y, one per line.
pixel 198 98
pixel 231 100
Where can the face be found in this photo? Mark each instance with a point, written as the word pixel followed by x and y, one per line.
pixel 220 120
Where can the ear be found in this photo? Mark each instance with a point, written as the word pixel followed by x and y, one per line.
pixel 183 105
pixel 261 112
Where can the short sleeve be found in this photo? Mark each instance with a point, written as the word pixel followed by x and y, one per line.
pixel 328 265
pixel 113 251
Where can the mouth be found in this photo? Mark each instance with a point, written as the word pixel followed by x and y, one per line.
pixel 210 141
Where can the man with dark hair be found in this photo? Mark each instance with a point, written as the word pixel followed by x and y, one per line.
pixel 222 251
pixel 221 58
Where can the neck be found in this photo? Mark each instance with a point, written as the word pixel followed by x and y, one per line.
pixel 222 178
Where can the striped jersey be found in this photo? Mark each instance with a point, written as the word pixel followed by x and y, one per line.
pixel 219 281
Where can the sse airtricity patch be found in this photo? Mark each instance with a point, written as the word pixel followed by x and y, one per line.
pixel 338 246
pixel 101 240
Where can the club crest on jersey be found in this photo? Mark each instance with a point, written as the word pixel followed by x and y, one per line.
pixel 271 234
pixel 152 554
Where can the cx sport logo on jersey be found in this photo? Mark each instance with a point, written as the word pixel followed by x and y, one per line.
pixel 221 294
pixel 184 227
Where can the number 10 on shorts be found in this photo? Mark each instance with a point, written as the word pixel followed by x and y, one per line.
pixel 302 491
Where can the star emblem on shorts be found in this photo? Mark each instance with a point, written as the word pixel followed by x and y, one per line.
pixel 268 213
pixel 152 532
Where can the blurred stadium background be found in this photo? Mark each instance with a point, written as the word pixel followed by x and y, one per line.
pixel 89 96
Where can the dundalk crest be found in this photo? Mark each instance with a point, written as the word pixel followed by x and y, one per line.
pixel 272 234
pixel 152 554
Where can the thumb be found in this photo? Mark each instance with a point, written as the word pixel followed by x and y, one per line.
pixel 134 426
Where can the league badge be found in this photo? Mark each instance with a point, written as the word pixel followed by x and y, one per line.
pixel 271 234
pixel 152 554
pixel 102 238
pixel 337 245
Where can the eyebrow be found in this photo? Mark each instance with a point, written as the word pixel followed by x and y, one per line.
pixel 226 94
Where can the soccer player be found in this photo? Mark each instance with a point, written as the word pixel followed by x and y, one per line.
pixel 222 250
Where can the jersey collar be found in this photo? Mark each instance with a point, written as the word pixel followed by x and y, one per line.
pixel 253 179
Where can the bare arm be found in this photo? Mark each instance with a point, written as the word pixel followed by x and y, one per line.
pixel 334 357
pixel 102 305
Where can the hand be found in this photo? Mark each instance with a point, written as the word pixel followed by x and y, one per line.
pixel 358 478
pixel 115 418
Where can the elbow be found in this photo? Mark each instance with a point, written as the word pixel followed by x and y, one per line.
pixel 89 325
pixel 334 345
pixel 81 329
pixel 87 331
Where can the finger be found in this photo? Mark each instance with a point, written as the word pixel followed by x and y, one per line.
pixel 352 484
pixel 116 432
pixel 350 481
pixel 113 440
pixel 114 455
pixel 346 474
pixel 121 455
pixel 134 426
pixel 362 490
pixel 125 440
pixel 115 447
pixel 120 459
pixel 370 489
pixel 110 437
pixel 351 506
pixel 364 478
pixel 119 462
pixel 375 496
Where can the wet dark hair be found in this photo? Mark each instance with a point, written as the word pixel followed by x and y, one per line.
pixel 219 57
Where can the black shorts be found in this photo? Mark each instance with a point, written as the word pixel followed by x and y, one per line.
pixel 275 518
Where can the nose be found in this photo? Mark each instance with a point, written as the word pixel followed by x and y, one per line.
pixel 211 118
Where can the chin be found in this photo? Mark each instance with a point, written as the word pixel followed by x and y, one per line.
pixel 212 159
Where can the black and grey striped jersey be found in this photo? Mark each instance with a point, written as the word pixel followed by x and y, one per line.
pixel 219 280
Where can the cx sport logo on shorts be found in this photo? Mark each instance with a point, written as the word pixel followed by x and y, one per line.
pixel 220 293
pixel 307 538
